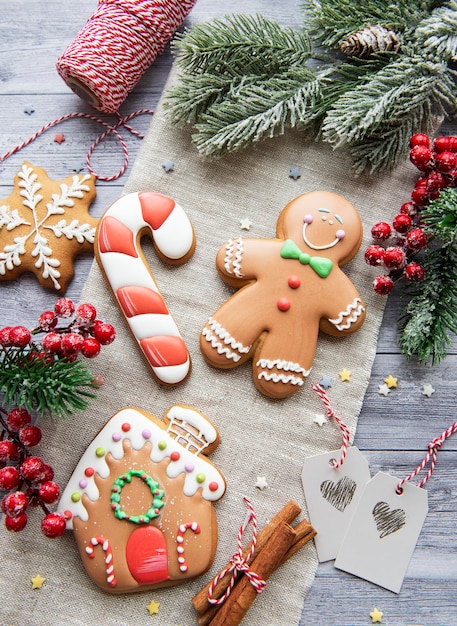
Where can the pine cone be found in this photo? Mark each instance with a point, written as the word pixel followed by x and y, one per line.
pixel 369 40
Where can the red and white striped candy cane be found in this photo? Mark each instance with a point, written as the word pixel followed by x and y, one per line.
pixel 132 282
pixel 343 428
pixel 180 541
pixel 106 547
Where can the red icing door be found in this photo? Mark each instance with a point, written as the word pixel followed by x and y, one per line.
pixel 147 556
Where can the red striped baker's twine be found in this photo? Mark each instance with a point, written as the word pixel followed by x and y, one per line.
pixel 110 130
pixel 344 429
pixel 238 563
pixel 431 457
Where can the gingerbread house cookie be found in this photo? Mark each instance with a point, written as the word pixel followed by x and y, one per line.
pixel 141 500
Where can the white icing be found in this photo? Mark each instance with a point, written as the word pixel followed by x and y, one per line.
pixel 216 332
pixel 314 246
pixel 174 238
pixel 288 366
pixel 281 378
pixel 349 316
pixel 196 419
pixel 139 423
pixel 234 251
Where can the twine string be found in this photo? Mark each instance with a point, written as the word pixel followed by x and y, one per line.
pixel 346 435
pixel 430 457
pixel 111 129
pixel 239 563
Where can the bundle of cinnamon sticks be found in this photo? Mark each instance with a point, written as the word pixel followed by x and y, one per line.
pixel 276 543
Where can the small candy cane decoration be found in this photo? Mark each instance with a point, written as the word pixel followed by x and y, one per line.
pixel 106 547
pixel 194 527
pixel 431 457
pixel 344 429
pixel 238 563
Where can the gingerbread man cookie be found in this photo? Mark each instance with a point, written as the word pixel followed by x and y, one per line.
pixel 291 287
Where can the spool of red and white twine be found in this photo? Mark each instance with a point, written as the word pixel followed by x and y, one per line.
pixel 116 46
pixel 108 57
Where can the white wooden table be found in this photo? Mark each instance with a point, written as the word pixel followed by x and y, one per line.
pixel 393 432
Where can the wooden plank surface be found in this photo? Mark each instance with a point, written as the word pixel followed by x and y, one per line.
pixel 393 431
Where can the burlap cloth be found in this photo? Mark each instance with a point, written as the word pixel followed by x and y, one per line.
pixel 259 437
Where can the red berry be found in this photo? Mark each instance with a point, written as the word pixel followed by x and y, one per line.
pixel 33 469
pixel 14 503
pixel 72 343
pixel 381 231
pixel 30 436
pixel 47 320
pixel 90 347
pixel 441 144
pixel 104 333
pixel 49 492
pixel 452 143
pixel 445 161
pixel 9 478
pixel 420 196
pixel 402 223
pixel 383 285
pixel 19 336
pixel 16 524
pixel 419 139
pixel 8 450
pixel 435 181
pixel 394 258
pixel 5 336
pixel 52 342
pixel 414 272
pixel 18 418
pixel 49 472
pixel 374 255
pixel 64 307
pixel 416 239
pixel 54 525
pixel 86 314
pixel 408 208
pixel 421 157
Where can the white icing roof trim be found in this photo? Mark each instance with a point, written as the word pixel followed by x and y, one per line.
pixel 139 423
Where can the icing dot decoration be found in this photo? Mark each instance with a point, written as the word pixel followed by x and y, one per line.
pixel 294 282
pixel 116 436
pixel 162 445
pixel 83 483
pixel 146 434
pixel 189 467
pixel 89 471
pixel 126 427
pixel 283 304
pixel 200 478
pixel 100 452
pixel 67 514
pixel 213 486
pixel 175 456
pixel 76 497
pixel 157 501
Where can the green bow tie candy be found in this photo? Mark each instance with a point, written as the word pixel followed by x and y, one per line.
pixel 321 265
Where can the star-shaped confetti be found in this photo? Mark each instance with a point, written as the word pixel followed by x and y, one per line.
pixel 391 381
pixel 59 138
pixel 427 390
pixel 153 607
pixel 168 165
pixel 376 616
pixel 383 389
pixel 345 375
pixel 320 419
pixel 37 581
pixel 261 483
pixel 325 382
pixel 294 173
pixel 44 224
pixel 245 223
pixel 29 109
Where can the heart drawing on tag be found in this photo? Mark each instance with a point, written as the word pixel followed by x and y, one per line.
pixel 339 494
pixel 388 520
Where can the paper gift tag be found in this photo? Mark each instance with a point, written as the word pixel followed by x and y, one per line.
pixel 383 532
pixel 332 495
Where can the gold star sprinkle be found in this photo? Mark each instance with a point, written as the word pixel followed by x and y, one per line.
pixel 345 375
pixel 153 607
pixel 376 616
pixel 37 581
pixel 391 381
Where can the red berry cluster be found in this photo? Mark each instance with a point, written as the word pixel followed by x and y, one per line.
pixel 84 334
pixel 396 245
pixel 26 477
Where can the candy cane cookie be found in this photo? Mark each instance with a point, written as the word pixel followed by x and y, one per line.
pixel 127 273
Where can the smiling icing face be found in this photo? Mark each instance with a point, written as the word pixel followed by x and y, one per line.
pixel 322 221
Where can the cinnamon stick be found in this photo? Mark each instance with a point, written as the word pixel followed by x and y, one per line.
pixel 244 593
pixel 287 514
pixel 304 532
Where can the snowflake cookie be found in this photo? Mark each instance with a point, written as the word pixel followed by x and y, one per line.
pixel 44 224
